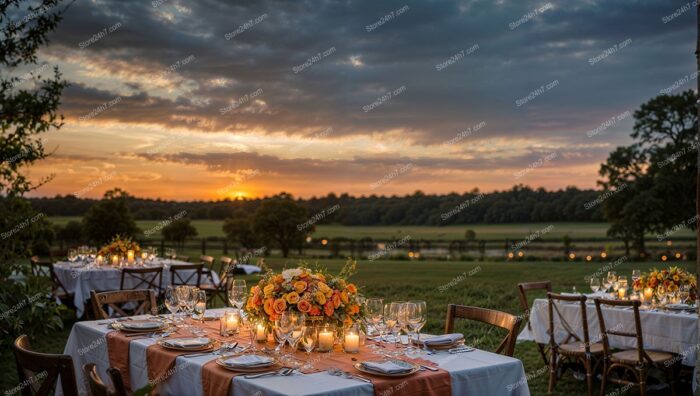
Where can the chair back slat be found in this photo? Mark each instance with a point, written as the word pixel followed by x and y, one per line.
pixel 42 370
pixel 146 278
pixel 504 320
pixel 118 299
pixel 182 258
pixel 523 288
pixel 599 303
pixel 183 274
pixel 552 299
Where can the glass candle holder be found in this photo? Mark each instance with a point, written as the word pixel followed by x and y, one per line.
pixel 228 323
pixel 351 339
pixel 648 295
pixel 130 256
pixel 621 293
pixel 326 337
pixel 260 332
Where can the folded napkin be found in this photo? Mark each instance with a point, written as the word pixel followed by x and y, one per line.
pixel 187 342
pixel 248 361
pixel 388 367
pixel 446 339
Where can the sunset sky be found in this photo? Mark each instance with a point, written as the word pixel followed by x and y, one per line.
pixel 213 99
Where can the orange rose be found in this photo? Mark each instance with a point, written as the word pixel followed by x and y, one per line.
pixel 300 286
pixel 278 279
pixel 352 288
pixel 320 297
pixel 304 306
pixel 256 300
pixel 268 306
pixel 328 309
pixel 268 290
pixel 279 305
pixel 344 297
pixel 292 297
pixel 354 309
pixel 315 310
pixel 347 322
pixel 336 300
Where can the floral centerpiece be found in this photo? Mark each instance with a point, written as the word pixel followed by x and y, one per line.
pixel 120 246
pixel 671 279
pixel 313 292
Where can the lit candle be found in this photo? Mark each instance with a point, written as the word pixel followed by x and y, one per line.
pixel 260 335
pixel 115 260
pixel 144 255
pixel 352 342
pixel 325 340
pixel 232 321
pixel 130 256
pixel 648 294
pixel 99 259
pixel 621 292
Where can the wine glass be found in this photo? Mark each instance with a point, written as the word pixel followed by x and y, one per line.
pixel 298 322
pixel 595 285
pixel 391 317
pixel 238 294
pixel 684 293
pixel 72 255
pixel 282 330
pixel 419 317
pixel 622 281
pixel 309 338
pixel 171 301
pixel 375 310
pixel 199 308
pixel 661 294
pixel 636 274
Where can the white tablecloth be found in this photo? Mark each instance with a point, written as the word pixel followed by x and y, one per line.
pixel 80 280
pixel 249 269
pixel 472 373
pixel 662 331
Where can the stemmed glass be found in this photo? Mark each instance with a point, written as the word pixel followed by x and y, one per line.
pixel 238 293
pixel 595 285
pixel 282 329
pixel 186 300
pixel 612 278
pixel 684 293
pixel 251 325
pixel 309 338
pixel 297 322
pixel 199 308
pixel 375 309
pixel 171 301
pixel 661 294
pixel 418 318
pixel 72 255
pixel 636 274
pixel 391 318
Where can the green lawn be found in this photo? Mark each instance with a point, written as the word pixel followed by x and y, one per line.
pixel 493 285
pixel 207 228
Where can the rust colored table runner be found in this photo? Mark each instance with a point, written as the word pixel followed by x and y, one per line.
pixel 217 380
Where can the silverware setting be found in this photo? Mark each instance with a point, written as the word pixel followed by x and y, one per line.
pixel 284 371
pixel 217 351
pixel 345 374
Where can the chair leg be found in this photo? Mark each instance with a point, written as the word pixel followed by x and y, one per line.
pixel 673 378
pixel 552 372
pixel 642 382
pixel 589 375
pixel 604 380
pixel 543 353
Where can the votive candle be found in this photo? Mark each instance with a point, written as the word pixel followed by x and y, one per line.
pixel 260 335
pixel 325 339
pixel 144 255
pixel 130 256
pixel 622 292
pixel 115 260
pixel 352 342
pixel 648 294
pixel 99 259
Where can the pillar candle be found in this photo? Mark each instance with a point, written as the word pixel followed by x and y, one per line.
pixel 260 335
pixel 130 256
pixel 352 343
pixel 325 340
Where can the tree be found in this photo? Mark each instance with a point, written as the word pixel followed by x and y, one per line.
pixel 638 180
pixel 179 231
pixel 71 232
pixel 26 112
pixel 281 221
pixel 239 229
pixel 110 217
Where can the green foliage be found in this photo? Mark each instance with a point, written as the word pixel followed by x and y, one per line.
pixel 26 113
pixel 179 231
pixel 278 221
pixel 109 217
pixel 71 232
pixel 660 167
pixel 470 235
pixel 239 229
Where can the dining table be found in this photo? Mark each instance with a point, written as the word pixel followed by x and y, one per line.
pixel 143 360
pixel 664 330
pixel 80 277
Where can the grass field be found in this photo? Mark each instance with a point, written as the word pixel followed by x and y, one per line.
pixel 493 285
pixel 207 228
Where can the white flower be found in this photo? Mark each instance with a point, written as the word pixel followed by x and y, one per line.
pixel 291 273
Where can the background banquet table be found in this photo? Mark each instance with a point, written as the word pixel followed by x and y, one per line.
pixel 667 331
pixel 474 373
pixel 79 280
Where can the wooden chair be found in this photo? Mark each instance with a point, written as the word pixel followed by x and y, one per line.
pixel 182 258
pixel 577 351
pixel 220 289
pixel 183 274
pixel 495 318
pixel 146 278
pixel 99 388
pixel 523 288
pixel 634 363
pixel 39 372
pixel 208 266
pixel 44 268
pixel 145 301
